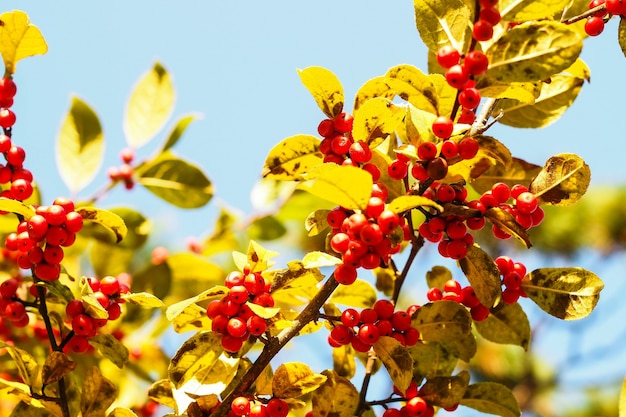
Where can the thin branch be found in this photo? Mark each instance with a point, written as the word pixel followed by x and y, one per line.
pixel 584 15
pixel 369 369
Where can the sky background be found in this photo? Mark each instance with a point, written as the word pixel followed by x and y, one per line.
pixel 235 62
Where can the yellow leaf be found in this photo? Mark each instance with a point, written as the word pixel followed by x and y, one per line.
pixel 56 366
pixel 412 85
pixel 518 172
pixel 482 272
pixel 292 157
pixel 523 10
pixel 175 309
pixel 144 299
pixel 375 120
pixel 316 223
pixel 491 398
pixel 442 321
pixel 17 207
pixel 149 107
pixel 191 318
pixel 263 312
pixel 565 293
pixel 525 93
pixel 397 360
pixel 111 221
pixel 80 145
pixel 506 222
pixel 443 22
pixel 376 87
pixel 445 391
pixel 533 51
pixel 337 397
pixel 325 88
pixel 161 391
pixel 110 348
pixel 347 186
pixel 26 364
pixel 408 202
pixel 19 39
pixel 317 259
pixel 344 363
pixel 359 294
pixel 622 397
pixel 121 412
pixel 507 324
pixel 621 37
pixel 563 180
pixel 294 379
pixel 196 354
pixel 98 393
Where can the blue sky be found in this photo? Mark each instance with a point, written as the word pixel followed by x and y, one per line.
pixel 235 62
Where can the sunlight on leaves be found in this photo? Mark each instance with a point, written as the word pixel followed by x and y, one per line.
pixel 491 398
pixel 440 23
pixel 294 379
pixel 483 274
pixel 347 186
pixel 19 39
pixel 563 180
pixel 292 158
pixel 325 88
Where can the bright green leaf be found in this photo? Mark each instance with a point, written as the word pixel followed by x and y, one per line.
pixel 524 10
pixel 443 22
pixel 442 321
pixel 376 119
pixel 483 274
pixel 111 221
pixel 197 353
pixel 397 359
pixel 325 88
pixel 292 158
pixel 347 186
pixel 179 129
pixel 565 293
pixel 79 146
pixel 533 51
pixel 19 39
pixel 438 276
pixel 176 181
pixel 507 324
pixel 294 379
pixel 563 180
pixel 110 348
pixel 149 107
pixel 491 398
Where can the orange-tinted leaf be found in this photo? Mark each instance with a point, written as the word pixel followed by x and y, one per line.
pixel 56 366
pixel 445 391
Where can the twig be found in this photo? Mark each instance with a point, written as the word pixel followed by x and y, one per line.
pixel 369 369
pixel 584 15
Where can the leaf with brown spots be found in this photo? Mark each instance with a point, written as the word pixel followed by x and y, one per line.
pixel 565 293
pixel 375 120
pixel 445 391
pixel 483 274
pixel 98 393
pixel 507 324
pixel 56 366
pixel 294 379
pixel 563 180
pixel 292 157
pixel 325 88
pixel 337 397
pixel 200 352
pixel 111 221
pixel 442 321
pixel 412 85
pixel 397 359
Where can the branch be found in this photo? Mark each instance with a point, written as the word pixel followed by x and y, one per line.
pixel 481 123
pixel 310 313
pixel 369 369
pixel 584 15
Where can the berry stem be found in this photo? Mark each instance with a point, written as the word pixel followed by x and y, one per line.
pixel 275 344
pixel 584 15
pixel 481 123
pixel 369 369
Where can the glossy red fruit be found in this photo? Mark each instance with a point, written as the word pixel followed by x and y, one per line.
pixel 448 56
pixel 616 7
pixel 476 62
pixel 343 122
pixel 469 98
pixel 277 407
pixel 7 118
pixel 594 26
pixel 482 31
pixel 457 76
pixel 491 15
pixel 326 128
pixel 468 148
pixel 427 150
pixel 240 406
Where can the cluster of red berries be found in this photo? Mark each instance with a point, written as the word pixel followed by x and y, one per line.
pixel 12 308
pixel 453 291
pixel 362 329
pixel 232 317
pixel 594 25
pixel 365 238
pixel 243 407
pixel 415 406
pixel 108 291
pixel 512 275
pixel 13 172
pixel 41 238
pixel 124 172
pixel 8 89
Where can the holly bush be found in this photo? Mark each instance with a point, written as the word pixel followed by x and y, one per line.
pixel 85 308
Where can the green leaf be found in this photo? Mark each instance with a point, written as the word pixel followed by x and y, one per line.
pixel 198 353
pixel 294 379
pixel 13 206
pixel 79 146
pixel 514 58
pixel 565 293
pixel 266 228
pixel 144 299
pixel 442 321
pixel 316 223
pixel 19 39
pixel 437 276
pixel 491 398
pixel 359 294
pixel 554 99
pixel 524 10
pixel 506 222
pixel 407 202
pixel 376 119
pixel 337 397
pixel 111 221
pixel 149 107
pixel 347 186
pixel 440 23
pixel 563 180
pixel 507 324
pixel 179 129
pixel 110 348
pixel 397 359
pixel 325 88
pixel 176 181
pixel 483 274
pixel 412 85
pixel 98 393
pixel 293 157
pixel 621 35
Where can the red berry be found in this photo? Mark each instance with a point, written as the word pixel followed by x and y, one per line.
pixel 384 308
pixel 526 202
pixel 7 118
pixel 594 26
pixel 236 327
pixel 479 313
pixel 398 169
pixel 15 310
pixel 401 320
pixel 342 334
pixel 616 7
pixel 490 15
pixel 8 288
pixel 449 149
pixel 21 189
pixel 350 317
pixel 234 278
pixel 48 272
pixel 66 203
pixel 326 128
pixel 238 294
pixel 73 222
pixel 457 76
pixel 240 406
pixel 469 98
pixel 457 249
pixel 256 325
pixel 114 310
pixel 468 148
pixel 427 150
pixel 343 122
pixel 369 333
pixel 360 152
pixel 231 344
pixel 437 168
pixel 277 407
pixel 82 324
pixel 52 254
pixel 483 30
pixel 15 156
pixel 78 344
pixel 8 89
pixel 416 407
pixel 109 285
pixel 448 56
